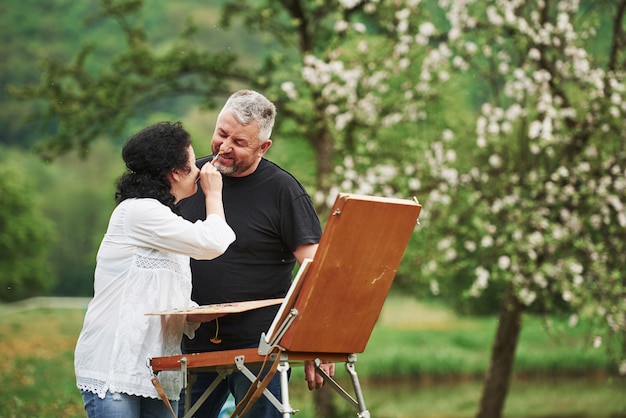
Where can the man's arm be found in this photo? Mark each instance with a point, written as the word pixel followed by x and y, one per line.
pixel 305 251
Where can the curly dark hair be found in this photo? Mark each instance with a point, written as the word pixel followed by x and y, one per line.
pixel 150 155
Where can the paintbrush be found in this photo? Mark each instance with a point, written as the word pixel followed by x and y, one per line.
pixel 218 155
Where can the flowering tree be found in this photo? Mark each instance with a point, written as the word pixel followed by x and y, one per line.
pixel 552 176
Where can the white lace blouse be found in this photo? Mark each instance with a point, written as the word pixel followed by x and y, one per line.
pixel 142 266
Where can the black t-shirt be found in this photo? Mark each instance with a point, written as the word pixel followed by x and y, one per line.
pixel 271 215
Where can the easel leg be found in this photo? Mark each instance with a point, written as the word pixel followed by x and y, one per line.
pixel 190 411
pixel 283 366
pixel 190 380
pixel 363 412
pixel 359 403
pixel 283 369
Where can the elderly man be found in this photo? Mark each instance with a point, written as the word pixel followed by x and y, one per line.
pixel 275 224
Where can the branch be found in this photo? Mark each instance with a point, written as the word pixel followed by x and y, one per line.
pixel 618 42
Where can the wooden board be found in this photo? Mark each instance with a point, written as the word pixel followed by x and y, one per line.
pixel 216 360
pixel 346 284
pixel 207 313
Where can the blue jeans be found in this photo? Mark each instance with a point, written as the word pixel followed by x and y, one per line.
pixel 235 383
pixel 121 405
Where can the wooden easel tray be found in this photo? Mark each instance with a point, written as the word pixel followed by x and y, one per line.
pixel 205 312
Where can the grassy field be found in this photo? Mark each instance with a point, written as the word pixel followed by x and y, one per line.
pixel 421 361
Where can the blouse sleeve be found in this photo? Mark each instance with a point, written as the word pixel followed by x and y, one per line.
pixel 149 223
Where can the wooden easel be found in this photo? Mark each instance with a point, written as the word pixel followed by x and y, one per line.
pixel 332 306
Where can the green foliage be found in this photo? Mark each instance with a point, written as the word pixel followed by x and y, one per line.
pixel 104 65
pixel 80 198
pixel 75 195
pixel 34 32
pixel 25 235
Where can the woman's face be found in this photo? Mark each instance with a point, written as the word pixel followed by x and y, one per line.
pixel 186 185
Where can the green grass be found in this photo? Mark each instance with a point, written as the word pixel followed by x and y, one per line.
pixel 421 361
pixel 417 339
pixel 534 398
pixel 37 372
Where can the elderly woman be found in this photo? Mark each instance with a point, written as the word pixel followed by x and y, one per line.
pixel 143 266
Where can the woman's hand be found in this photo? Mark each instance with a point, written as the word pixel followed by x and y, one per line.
pixel 211 183
pixel 210 180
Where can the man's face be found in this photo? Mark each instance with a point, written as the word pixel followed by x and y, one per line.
pixel 238 144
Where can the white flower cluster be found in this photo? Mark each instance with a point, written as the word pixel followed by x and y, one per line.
pixel 376 178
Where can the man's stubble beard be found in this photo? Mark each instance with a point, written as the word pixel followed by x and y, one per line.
pixel 233 170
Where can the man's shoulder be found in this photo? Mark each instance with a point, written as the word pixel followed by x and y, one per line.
pixel 271 168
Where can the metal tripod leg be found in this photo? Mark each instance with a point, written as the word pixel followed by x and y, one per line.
pixel 363 412
pixel 220 376
pixel 283 369
pixel 283 407
pixel 359 403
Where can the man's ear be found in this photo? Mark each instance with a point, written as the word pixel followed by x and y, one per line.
pixel 265 146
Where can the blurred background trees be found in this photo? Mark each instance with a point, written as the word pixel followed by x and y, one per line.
pixel 504 117
pixel 25 238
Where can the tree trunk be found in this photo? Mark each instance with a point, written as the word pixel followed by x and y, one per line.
pixel 498 377
pixel 323 400
pixel 324 160
pixel 322 143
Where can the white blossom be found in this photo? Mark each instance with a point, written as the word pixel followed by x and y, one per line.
pixel 290 90
pixel 534 129
pixel 434 287
pixel 527 297
pixel 359 27
pixel 349 4
pixel 534 54
pixel 504 262
pixel 567 296
pixel 341 26
pixel 495 161
pixel 597 341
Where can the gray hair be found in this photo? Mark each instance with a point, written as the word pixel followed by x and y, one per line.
pixel 249 106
